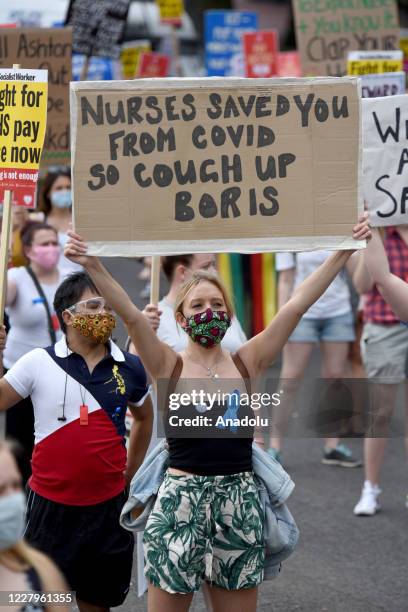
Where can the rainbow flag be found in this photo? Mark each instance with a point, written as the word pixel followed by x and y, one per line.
pixel 251 283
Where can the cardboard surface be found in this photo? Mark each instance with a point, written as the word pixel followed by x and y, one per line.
pixel 261 50
pixel 97 26
pixel 326 31
pixel 202 165
pixel 23 117
pixel 45 49
pixel 385 159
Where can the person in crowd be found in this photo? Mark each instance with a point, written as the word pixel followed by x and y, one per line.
pixel 33 321
pixel 205 474
pixel 329 323
pixel 80 388
pixel 55 204
pixel 24 571
pixel 384 347
pixel 20 220
pixel 178 269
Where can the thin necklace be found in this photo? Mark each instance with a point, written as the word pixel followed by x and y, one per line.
pixel 211 372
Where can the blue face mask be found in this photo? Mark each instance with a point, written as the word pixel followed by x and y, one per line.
pixel 12 518
pixel 61 198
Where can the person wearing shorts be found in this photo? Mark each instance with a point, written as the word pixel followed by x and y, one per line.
pixel 200 527
pixel 384 348
pixel 206 523
pixel 80 388
pixel 328 323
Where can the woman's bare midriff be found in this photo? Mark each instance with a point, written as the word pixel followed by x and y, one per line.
pixel 177 472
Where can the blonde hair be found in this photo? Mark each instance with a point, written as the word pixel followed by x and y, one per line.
pixel 22 555
pixel 198 277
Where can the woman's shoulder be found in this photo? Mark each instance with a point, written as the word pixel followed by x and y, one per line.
pixel 18 273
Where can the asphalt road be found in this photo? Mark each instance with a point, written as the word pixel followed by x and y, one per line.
pixel 343 563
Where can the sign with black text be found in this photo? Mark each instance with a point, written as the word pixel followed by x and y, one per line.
pixel 208 165
pixel 385 159
pixel 360 63
pixel 381 85
pixel 327 30
pixel 23 118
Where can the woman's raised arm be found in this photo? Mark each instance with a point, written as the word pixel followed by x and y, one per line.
pixel 259 352
pixel 158 358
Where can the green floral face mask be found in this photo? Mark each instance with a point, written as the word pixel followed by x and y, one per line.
pixel 208 328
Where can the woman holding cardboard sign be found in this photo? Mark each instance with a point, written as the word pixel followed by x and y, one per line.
pixel 207 522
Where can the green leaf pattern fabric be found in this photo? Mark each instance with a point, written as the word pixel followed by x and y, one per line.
pixel 205 528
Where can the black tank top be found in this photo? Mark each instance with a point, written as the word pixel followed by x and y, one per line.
pixel 221 455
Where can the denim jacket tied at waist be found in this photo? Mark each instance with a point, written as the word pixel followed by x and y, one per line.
pixel 280 530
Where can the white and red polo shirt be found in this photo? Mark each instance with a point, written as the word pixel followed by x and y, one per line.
pixel 76 463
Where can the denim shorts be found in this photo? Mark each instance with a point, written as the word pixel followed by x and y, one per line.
pixel 205 528
pixel 331 329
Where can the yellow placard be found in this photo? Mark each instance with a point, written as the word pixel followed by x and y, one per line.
pixel 171 11
pixel 373 66
pixel 130 57
pixel 404 46
pixel 23 118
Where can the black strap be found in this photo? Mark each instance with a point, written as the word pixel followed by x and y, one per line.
pixel 239 364
pixel 41 293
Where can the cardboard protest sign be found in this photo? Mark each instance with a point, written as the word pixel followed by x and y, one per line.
pixel 23 116
pixel 261 53
pixel 223 32
pixel 130 56
pixel 326 31
pixel 380 85
pixel 45 49
pixel 360 63
pixel 153 65
pixel 171 11
pixel 385 159
pixel 97 26
pixel 179 166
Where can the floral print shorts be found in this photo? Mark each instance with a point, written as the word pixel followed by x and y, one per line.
pixel 205 528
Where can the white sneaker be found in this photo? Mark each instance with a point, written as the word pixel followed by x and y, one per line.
pixel 368 504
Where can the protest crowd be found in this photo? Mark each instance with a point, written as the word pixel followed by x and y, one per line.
pixel 198 275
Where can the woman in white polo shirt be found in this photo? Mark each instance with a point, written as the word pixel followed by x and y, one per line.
pixel 33 323
pixel 329 323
